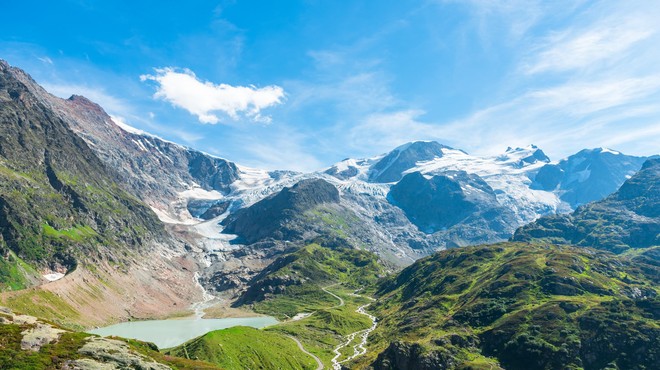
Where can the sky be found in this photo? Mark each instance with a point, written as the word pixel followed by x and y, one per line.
pixel 300 85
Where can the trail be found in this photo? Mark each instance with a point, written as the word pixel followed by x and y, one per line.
pixel 318 360
pixel 360 348
pixel 341 301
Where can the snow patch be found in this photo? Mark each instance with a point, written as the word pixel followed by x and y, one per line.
pixel 126 127
pixel 198 193
pixel 140 145
pixel 608 150
pixel 54 276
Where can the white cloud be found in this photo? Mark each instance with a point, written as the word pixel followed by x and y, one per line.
pixel 581 98
pixel 205 99
pixel 567 118
pixel 586 78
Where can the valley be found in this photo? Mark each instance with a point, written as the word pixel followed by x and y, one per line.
pixel 424 257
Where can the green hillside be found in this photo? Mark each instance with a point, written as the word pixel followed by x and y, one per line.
pixel 246 348
pixel 519 306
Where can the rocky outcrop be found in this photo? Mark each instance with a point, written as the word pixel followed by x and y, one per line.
pixel 30 343
pixel 412 356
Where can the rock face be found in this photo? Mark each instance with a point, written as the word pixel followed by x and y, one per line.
pixel 453 199
pixel 589 175
pixel 629 218
pixel 412 356
pixel 58 202
pixel 270 216
pixel 154 170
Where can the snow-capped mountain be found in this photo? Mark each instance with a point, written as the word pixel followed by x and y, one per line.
pixel 588 175
pixel 404 204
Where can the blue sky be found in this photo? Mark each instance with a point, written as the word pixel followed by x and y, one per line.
pixel 303 84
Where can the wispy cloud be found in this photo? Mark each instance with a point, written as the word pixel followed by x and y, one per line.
pixel 587 83
pixel 46 60
pixel 383 131
pixel 183 89
pixel 581 48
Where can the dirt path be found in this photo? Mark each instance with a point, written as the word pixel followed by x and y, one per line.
pixel 341 301
pixel 318 360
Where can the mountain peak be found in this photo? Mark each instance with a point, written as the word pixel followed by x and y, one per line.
pixel 528 148
pixel 404 157
pixel 530 154
pixel 87 105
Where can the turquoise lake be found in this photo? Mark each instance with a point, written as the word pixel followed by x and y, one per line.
pixel 171 333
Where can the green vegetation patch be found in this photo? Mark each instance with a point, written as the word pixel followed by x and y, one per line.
pixel 246 348
pixel 43 304
pixel 294 283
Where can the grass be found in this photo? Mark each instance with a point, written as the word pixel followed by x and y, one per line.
pixel 14 273
pixel 246 348
pixel 43 304
pixel 76 233
pixel 324 330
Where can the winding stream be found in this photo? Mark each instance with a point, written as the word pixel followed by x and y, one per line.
pixel 360 348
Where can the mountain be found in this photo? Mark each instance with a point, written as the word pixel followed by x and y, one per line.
pixel 137 157
pixel 589 175
pixel 518 306
pixel 629 218
pixel 64 217
pixel 235 221
pixel 459 205
pixel 274 215
pixel 299 276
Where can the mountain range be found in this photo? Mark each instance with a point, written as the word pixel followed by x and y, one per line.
pixel 101 222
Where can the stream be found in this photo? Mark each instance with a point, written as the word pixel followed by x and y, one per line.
pixel 360 348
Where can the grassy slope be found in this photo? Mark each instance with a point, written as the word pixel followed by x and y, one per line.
pixel 321 332
pixel 523 306
pixel 305 272
pixel 321 267
pixel 246 348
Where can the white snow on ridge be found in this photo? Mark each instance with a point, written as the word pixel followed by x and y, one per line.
pixel 504 174
pixel 126 127
pixel 608 150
